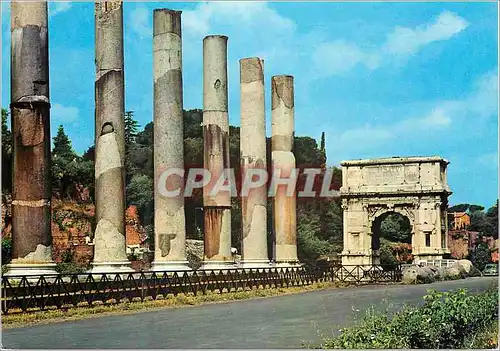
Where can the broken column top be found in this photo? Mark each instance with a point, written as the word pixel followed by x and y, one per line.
pixel 251 69
pixel 215 36
pixel 166 21
pixel 172 12
pixel 106 6
pixel 282 89
pixel 28 13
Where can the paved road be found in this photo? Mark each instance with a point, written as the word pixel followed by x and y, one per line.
pixel 277 322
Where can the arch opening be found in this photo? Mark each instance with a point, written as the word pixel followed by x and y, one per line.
pixel 391 239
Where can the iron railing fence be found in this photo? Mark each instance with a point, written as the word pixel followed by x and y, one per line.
pixel 23 294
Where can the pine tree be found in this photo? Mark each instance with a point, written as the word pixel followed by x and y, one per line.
pixel 131 131
pixel 322 149
pixel 62 146
pixel 131 128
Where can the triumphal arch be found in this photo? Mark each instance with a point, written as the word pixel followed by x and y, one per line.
pixel 415 187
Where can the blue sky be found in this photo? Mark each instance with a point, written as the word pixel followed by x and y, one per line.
pixel 380 79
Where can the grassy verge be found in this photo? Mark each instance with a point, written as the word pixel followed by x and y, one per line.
pixel 59 315
pixel 446 320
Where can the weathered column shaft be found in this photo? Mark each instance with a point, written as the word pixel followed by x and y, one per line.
pixel 253 156
pixel 170 232
pixel 30 112
pixel 217 208
pixel 110 245
pixel 284 209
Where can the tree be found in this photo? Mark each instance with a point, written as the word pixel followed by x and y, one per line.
pixel 474 208
pixel 64 165
pixel 140 194
pixel 131 131
pixel 131 128
pixel 307 152
pixel 309 243
pixel 492 217
pixel 62 145
pixel 481 255
pixel 322 148
pixel 332 224
pixel 459 208
pixel 396 228
pixel 6 154
pixel 89 154
pixel 479 223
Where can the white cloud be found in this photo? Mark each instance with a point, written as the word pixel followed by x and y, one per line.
pixel 408 41
pixel 246 15
pixel 338 56
pixel 58 7
pixel 140 21
pixel 64 114
pixel 484 101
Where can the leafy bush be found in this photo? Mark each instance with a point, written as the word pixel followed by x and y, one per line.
pixel 6 250
pixel 387 257
pixel 446 320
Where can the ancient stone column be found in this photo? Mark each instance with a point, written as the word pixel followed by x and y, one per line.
pixel 253 160
pixel 170 232
pixel 109 239
pixel 217 206
pixel 30 111
pixel 284 208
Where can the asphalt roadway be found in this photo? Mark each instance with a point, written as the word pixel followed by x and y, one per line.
pixel 275 322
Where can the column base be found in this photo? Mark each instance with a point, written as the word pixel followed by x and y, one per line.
pixel 216 265
pixel 248 264
pixel 111 267
pixel 30 269
pixel 170 266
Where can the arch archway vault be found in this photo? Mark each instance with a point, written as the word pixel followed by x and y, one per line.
pixel 415 187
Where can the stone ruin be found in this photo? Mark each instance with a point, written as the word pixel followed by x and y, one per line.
pixel 31 127
pixel 414 187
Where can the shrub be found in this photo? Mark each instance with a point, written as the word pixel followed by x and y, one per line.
pixel 387 258
pixel 481 256
pixel 6 250
pixel 446 320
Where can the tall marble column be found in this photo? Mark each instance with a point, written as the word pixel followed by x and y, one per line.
pixel 30 111
pixel 217 206
pixel 284 209
pixel 109 238
pixel 170 232
pixel 253 160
